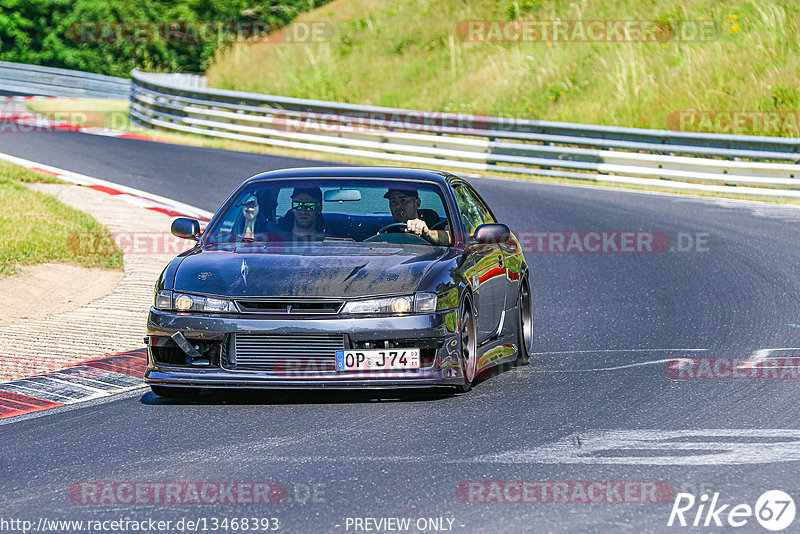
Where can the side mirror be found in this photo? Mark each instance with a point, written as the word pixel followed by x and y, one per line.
pixel 492 234
pixel 186 228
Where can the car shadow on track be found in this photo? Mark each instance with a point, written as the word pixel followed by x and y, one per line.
pixel 210 396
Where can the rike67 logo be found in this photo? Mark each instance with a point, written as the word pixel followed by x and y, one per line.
pixel 774 510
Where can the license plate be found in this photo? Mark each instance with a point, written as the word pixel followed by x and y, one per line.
pixel 377 360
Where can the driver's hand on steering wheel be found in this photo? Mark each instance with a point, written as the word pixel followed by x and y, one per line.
pixel 418 227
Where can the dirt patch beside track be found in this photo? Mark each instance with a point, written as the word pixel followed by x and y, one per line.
pixel 45 289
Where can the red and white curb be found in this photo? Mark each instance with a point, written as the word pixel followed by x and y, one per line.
pixel 89 380
pixel 137 197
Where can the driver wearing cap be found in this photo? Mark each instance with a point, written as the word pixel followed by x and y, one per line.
pixel 404 204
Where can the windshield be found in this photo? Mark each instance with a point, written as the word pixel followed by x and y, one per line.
pixel 345 210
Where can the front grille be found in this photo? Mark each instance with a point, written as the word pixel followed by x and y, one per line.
pixel 286 354
pixel 305 307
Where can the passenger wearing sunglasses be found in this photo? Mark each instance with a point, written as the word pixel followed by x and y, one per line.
pixel 305 215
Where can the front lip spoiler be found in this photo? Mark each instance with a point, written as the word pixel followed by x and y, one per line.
pixel 232 380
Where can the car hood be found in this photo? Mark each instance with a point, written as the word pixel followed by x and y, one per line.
pixel 317 270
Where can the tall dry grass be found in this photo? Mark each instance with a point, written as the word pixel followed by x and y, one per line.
pixel 407 53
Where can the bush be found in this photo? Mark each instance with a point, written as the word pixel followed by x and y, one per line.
pixel 87 34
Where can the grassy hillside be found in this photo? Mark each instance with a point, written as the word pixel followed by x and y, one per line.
pixel 410 53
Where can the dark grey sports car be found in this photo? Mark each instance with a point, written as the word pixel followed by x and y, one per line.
pixel 341 278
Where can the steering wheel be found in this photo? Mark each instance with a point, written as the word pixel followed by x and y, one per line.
pixel 402 238
pixel 443 222
pixel 388 226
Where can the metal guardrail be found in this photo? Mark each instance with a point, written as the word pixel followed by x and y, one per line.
pixel 197 81
pixel 477 143
pixel 687 160
pixel 48 81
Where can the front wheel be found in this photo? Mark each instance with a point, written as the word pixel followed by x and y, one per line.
pixel 524 324
pixel 468 346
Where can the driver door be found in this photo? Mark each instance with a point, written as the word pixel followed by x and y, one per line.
pixel 485 263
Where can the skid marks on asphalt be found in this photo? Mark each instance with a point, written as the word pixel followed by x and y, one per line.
pixel 90 380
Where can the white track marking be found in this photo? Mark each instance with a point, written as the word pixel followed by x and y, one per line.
pixel 613 368
pixel 76 384
pixel 106 386
pixel 667 447
pixel 34 392
pixel 607 368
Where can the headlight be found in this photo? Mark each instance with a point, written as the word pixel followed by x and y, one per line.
pixel 418 303
pixel 184 302
pixel 166 300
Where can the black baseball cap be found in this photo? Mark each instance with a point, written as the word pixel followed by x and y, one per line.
pixel 407 191
pixel 313 192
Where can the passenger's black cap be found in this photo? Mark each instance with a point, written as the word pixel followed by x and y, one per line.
pixel 409 191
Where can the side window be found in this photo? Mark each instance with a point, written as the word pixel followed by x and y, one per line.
pixel 472 211
pixel 486 214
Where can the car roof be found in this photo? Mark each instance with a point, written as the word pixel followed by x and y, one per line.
pixel 399 173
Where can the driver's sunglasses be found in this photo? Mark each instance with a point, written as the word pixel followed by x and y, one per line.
pixel 308 206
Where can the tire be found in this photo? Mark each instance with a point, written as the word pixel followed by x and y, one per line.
pixel 467 345
pixel 524 323
pixel 173 392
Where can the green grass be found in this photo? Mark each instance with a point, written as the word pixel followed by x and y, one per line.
pixel 37 228
pixel 409 54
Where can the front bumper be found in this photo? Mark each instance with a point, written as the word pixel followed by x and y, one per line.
pixel 435 330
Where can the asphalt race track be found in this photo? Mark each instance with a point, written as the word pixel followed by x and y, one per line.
pixel 596 404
